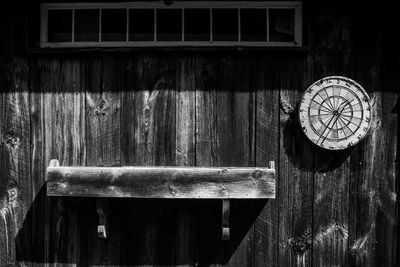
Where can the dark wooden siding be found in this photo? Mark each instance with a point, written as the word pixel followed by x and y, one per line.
pixel 199 108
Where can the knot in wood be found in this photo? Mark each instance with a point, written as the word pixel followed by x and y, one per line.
pixel 258 174
pixel 172 189
pixel 285 106
pixel 300 244
pixel 101 108
pixel 12 194
pixel 12 141
pixel 224 171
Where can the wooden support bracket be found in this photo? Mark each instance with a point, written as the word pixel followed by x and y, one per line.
pixel 102 212
pixel 225 219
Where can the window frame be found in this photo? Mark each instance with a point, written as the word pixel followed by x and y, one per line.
pixel 296 6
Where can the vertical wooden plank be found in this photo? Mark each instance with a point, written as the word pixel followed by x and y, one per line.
pixel 267 149
pixel 149 106
pixel 103 120
pixel 373 206
pixel 103 103
pixel 225 137
pixel 131 245
pixel 331 177
pixel 207 236
pixel 296 162
pixel 373 186
pixel 15 183
pixel 235 147
pixel 57 132
pixel 185 155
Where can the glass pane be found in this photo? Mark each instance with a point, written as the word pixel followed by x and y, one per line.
pixel 281 25
pixel 169 25
pixel 253 25
pixel 113 24
pixel 225 24
pixel 87 25
pixel 59 26
pixel 197 25
pixel 141 25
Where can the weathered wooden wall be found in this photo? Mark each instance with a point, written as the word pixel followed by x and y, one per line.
pixel 199 108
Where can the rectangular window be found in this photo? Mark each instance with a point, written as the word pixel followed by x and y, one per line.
pixel 197 23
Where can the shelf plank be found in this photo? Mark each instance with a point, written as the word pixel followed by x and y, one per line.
pixel 162 182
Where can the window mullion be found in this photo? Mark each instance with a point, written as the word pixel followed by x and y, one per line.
pixel 127 24
pixel 155 25
pixel 239 28
pixel 100 25
pixel 183 24
pixel 267 10
pixel 211 26
pixel 73 25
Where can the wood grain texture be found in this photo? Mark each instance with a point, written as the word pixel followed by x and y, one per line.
pixel 224 116
pixel 162 182
pixel 148 116
pixel 193 107
pixel 185 155
pixel 331 170
pixel 372 207
pixel 15 185
pixel 57 132
pixel 266 226
pixel 103 104
pixel 296 164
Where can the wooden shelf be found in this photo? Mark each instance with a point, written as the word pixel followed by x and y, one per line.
pixel 161 182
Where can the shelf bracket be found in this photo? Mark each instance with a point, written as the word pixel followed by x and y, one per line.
pixel 102 212
pixel 225 219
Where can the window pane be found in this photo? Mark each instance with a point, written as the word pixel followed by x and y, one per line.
pixel 87 25
pixel 169 25
pixel 197 25
pixel 141 25
pixel 225 25
pixel 281 25
pixel 113 24
pixel 253 25
pixel 60 26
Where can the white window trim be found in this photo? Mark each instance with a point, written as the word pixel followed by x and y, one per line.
pixel 296 6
